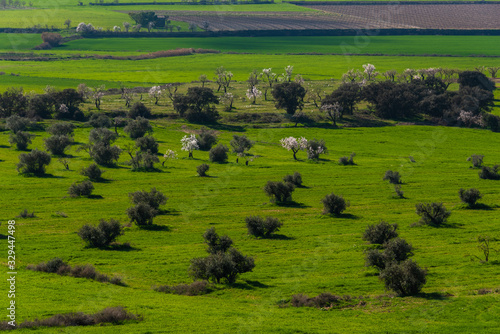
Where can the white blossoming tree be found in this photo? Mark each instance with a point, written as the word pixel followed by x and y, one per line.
pixel 155 93
pixel 294 144
pixel 269 78
pixel 189 144
pixel 332 111
pixel 169 155
pixel 253 93
pixel 369 71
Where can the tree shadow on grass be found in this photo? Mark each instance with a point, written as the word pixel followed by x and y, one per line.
pixel 155 227
pixel 3 236
pixel 44 176
pixel 95 197
pixel 171 212
pixel 343 216
pixel 433 295
pixel 293 204
pixel 4 146
pixel 226 127
pixel 125 247
pixel 481 206
pixel 279 237
pixel 250 285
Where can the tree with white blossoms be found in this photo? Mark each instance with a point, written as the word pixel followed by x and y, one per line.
pixel 97 94
pixel 369 71
pixel 155 93
pixel 253 93
pixel 82 27
pixel 126 26
pixel 227 100
pixel 117 29
pixel 189 144
pixel 469 119
pixel 269 78
pixel 294 144
pixel 287 76
pixel 169 155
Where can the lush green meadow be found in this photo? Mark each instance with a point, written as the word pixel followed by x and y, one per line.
pixel 188 68
pixel 386 45
pixel 316 253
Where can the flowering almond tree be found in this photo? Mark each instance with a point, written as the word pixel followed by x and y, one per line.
pixel 253 93
pixel 169 155
pixel 155 93
pixel 370 72
pixel 294 144
pixel 189 144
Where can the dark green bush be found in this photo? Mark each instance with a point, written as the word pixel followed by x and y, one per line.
pixel 147 143
pixel 432 213
pixel 101 235
pixel 102 136
pixel 218 153
pixel 57 144
pixel 153 198
pixel 347 161
pixel 202 169
pixel 470 196
pixel 489 173
pixel 139 110
pixel 105 155
pixel 144 161
pixel 61 129
pixel 21 139
pixel 215 243
pixel 393 177
pixel 33 162
pixel 279 192
pixel 476 159
pixel 142 214
pixel 397 250
pixel 138 128
pixel 83 188
pixel 241 144
pixel 334 204
pixel 100 121
pixel 315 148
pixel 206 139
pixel 15 123
pixel 406 278
pixel 260 227
pixel 380 233
pixel 93 172
pixel 295 179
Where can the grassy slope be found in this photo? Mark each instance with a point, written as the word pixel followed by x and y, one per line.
pixel 323 253
pixel 189 68
pixel 389 45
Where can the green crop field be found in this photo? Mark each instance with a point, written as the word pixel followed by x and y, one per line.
pixel 387 45
pixel 189 68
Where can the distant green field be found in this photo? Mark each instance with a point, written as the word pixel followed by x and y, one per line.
pixel 19 42
pixel 189 68
pixel 389 45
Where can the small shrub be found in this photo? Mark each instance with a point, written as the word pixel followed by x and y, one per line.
pixel 144 161
pixel 216 244
pixel 470 196
pixel 295 179
pixel 83 188
pixel 202 169
pixel 153 198
pixel 33 162
pixel 476 159
pixel 21 139
pixel 375 258
pixel 489 173
pixel 101 235
pixel 139 110
pixel 147 143
pixel 218 153
pixel 61 129
pixel 206 139
pixel 323 300
pixel 57 144
pixel 15 123
pixel 52 38
pixel 93 172
pixel 26 214
pixel 240 144
pixel 347 161
pixel 315 148
pixel 260 227
pixel 100 121
pixel 196 288
pixel 334 204
pixel 398 191
pixel 406 278
pixel 142 214
pixel 397 250
pixel 105 155
pixel 432 213
pixel 279 192
pixel 380 233
pixel 393 177
pixel 102 136
pixel 138 128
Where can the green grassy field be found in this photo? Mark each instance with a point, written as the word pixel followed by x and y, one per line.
pixel 388 45
pixel 320 253
pixel 189 68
